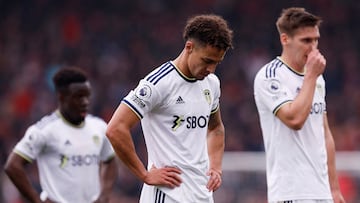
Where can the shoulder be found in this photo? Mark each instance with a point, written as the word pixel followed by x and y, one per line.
pixel 95 120
pixel 213 78
pixel 213 81
pixel 46 121
pixel 271 69
pixel 159 74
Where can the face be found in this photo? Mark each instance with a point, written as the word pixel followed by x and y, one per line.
pixel 202 60
pixel 300 44
pixel 74 103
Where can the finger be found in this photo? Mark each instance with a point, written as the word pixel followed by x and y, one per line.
pixel 172 182
pixel 213 185
pixel 214 182
pixel 173 170
pixel 175 178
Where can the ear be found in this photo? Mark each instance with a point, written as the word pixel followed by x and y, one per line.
pixel 189 46
pixel 284 38
pixel 61 96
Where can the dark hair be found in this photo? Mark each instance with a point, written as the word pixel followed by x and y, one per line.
pixel 66 76
pixel 210 30
pixel 294 18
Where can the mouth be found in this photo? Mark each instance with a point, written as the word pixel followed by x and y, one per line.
pixel 83 112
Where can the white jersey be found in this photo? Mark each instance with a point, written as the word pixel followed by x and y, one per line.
pixel 67 156
pixel 296 160
pixel 175 112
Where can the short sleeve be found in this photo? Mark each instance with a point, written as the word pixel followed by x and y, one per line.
pixel 143 98
pixel 30 146
pixel 217 94
pixel 271 93
pixel 107 152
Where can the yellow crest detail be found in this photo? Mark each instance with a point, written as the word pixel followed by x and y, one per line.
pixel 96 139
pixel 207 96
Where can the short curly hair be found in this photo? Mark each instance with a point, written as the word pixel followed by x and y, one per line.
pixel 209 29
pixel 68 75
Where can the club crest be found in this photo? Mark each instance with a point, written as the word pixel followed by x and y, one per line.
pixel 207 96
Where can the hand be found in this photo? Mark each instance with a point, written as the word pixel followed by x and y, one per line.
pixel 167 176
pixel 215 180
pixel 315 63
pixel 337 196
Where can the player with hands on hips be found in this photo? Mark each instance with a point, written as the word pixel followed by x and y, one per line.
pixel 179 110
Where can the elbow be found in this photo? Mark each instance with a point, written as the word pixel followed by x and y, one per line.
pixel 110 133
pixel 9 168
pixel 295 125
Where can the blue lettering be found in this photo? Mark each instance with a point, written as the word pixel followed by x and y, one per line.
pixel 84 160
pixel 317 108
pixel 194 122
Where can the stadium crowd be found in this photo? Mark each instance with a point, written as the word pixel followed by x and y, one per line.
pixel 117 42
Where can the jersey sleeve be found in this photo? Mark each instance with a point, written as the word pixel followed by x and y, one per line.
pixel 31 144
pixel 271 92
pixel 143 98
pixel 217 93
pixel 107 152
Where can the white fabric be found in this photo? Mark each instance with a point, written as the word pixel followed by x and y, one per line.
pixel 307 201
pixel 296 161
pixel 175 111
pixel 67 156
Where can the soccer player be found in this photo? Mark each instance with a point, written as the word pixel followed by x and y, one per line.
pixel 290 97
pixel 178 106
pixel 74 157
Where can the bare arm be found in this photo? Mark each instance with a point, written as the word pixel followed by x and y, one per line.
pixel 295 113
pixel 108 175
pixel 118 132
pixel 15 169
pixel 330 148
pixel 216 145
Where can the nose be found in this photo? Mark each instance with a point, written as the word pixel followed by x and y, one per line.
pixel 314 44
pixel 211 68
pixel 85 101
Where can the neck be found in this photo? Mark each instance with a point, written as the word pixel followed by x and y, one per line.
pixel 292 64
pixel 181 63
pixel 68 118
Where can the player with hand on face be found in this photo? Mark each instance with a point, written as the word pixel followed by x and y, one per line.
pixel 290 97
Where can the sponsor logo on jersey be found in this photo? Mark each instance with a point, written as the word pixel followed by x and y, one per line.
pixel 191 122
pixel 179 100
pixel 318 108
pixel 177 122
pixel 78 160
pixel 63 161
pixel 67 143
pixel 207 96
